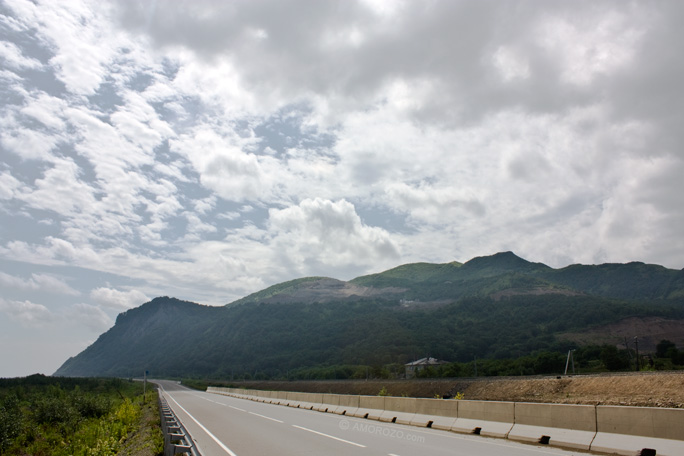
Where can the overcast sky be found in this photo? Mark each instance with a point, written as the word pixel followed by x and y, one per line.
pixel 208 149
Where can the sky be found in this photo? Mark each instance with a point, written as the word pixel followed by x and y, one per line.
pixel 208 149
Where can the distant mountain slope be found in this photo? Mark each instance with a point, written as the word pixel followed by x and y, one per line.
pixel 315 289
pixel 626 281
pixel 141 337
pixel 497 306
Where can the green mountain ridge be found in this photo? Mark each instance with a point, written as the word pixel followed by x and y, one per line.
pixel 488 307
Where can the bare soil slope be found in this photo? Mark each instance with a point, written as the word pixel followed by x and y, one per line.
pixel 648 389
pixel 651 329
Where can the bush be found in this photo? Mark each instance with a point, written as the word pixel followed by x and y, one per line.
pixel 54 410
pixel 90 406
pixel 10 422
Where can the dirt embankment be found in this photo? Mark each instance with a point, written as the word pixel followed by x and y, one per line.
pixel 652 389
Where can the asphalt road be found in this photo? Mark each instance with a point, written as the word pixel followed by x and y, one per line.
pixel 222 425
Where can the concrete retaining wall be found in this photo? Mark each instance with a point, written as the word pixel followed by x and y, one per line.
pixel 370 407
pixel 435 413
pixel 490 418
pixel 625 429
pixel 569 426
pixel 608 429
pixel 399 410
pixel 347 405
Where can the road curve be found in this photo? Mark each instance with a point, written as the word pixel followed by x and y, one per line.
pixel 222 425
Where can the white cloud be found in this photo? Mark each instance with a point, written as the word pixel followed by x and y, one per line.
pixel 38 282
pixel 139 124
pixel 323 233
pixel 207 150
pixel 8 186
pixel 91 317
pixel 196 227
pixel 61 190
pixel 46 109
pixel 225 167
pixel 118 300
pixel 25 142
pixel 84 43
pixel 12 57
pixel 592 45
pixel 27 313
pixel 510 64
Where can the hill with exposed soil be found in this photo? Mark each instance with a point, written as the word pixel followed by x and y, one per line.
pixel 493 307
pixel 644 389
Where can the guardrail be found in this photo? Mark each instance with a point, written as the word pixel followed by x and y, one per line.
pixel 176 438
pixel 645 431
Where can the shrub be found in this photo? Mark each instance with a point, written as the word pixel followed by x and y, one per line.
pixel 10 422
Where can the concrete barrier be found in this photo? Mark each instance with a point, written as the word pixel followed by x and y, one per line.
pixel 398 410
pixel 328 403
pixel 370 407
pixel 489 418
pixel 562 425
pixel 608 429
pixel 435 413
pixel 270 397
pixel 629 430
pixel 309 401
pixel 281 396
pixel 297 400
pixel 348 405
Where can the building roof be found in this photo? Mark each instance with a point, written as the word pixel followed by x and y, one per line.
pixel 426 362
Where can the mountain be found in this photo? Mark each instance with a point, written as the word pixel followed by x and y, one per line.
pixel 489 307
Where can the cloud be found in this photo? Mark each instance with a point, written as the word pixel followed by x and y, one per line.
pixel 322 233
pixel 27 313
pixel 12 57
pixel 91 317
pixel 206 150
pixel 224 165
pixel 510 64
pixel 83 42
pixel 118 300
pixel 591 46
pixel 8 186
pixel 61 190
pixel 38 282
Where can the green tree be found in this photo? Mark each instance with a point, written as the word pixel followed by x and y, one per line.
pixel 10 421
pixel 613 358
pixel 663 347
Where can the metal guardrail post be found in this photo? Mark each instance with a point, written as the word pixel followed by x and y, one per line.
pixel 176 438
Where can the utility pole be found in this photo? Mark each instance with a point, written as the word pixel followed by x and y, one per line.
pixel 629 352
pixel 570 357
pixel 636 343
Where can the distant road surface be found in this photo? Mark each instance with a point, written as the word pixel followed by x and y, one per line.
pixel 222 425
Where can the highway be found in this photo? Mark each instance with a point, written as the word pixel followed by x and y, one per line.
pixel 222 425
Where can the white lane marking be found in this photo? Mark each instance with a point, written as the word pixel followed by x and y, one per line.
pixel 202 397
pixel 242 410
pixel 329 436
pixel 225 448
pixel 267 417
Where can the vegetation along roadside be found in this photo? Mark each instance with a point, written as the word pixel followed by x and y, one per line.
pixel 42 415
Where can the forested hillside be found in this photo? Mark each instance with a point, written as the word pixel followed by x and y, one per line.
pixel 490 307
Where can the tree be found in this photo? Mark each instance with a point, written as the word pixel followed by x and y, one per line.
pixel 10 421
pixel 613 359
pixel 663 347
